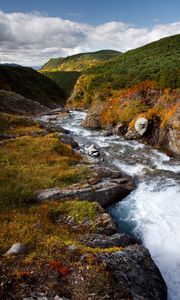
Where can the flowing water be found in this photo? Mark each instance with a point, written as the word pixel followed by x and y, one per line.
pixel 152 211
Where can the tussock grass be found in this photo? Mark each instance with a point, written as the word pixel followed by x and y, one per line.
pixel 29 164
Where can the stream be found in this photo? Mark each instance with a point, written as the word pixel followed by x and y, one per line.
pixel 152 211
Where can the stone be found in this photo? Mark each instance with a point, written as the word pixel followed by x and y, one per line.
pixel 135 273
pixel 105 172
pixel 106 193
pixel 52 127
pixel 141 125
pixel 104 241
pixel 66 139
pixel 106 133
pixel 174 133
pixel 105 225
pixel 92 150
pixel 17 248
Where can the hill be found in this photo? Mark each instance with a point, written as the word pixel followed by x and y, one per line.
pixel 158 61
pixel 66 71
pixel 66 80
pixel 79 62
pixel 32 85
pixel 141 83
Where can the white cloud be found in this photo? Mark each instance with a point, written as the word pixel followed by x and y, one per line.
pixel 32 39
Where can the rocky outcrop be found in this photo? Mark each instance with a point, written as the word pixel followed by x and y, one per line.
pixel 136 274
pixel 170 135
pixel 16 104
pixel 105 241
pixel 92 121
pixel 106 192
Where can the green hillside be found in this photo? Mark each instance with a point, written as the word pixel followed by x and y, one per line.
pixel 31 84
pixel 159 61
pixel 65 79
pixel 79 62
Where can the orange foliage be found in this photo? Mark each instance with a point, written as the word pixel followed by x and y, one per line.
pixel 56 265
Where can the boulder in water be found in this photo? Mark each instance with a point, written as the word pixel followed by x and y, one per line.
pixel 92 150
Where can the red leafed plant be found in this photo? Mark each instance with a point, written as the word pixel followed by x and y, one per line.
pixel 62 270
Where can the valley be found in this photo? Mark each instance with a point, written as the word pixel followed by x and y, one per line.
pixel 89 183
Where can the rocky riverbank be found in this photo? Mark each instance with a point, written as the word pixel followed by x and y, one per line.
pixel 72 249
pixel 106 188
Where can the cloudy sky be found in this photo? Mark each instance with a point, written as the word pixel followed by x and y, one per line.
pixel 33 31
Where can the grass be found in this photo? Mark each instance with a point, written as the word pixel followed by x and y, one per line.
pixel 15 124
pixel 28 164
pixel 31 163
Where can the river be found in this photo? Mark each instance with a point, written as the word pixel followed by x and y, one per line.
pixel 152 211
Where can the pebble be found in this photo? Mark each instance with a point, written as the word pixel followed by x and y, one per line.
pixel 17 248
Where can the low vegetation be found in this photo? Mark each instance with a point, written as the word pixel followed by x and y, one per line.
pixel 32 85
pixel 156 62
pixel 29 162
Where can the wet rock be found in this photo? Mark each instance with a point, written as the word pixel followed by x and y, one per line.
pixel 136 273
pixel 92 150
pixel 104 241
pixel 17 248
pixel 106 132
pixel 105 193
pixel 141 125
pixel 68 140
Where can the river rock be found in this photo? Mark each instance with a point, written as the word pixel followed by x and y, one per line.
pixel 52 127
pixel 68 140
pixel 104 241
pixel 17 248
pixel 92 150
pixel 141 125
pixel 136 274
pixel 105 193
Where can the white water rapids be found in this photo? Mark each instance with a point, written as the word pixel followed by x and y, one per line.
pixel 152 211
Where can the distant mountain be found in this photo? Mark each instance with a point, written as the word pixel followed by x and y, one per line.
pixel 36 67
pixel 10 65
pixel 31 84
pixel 79 62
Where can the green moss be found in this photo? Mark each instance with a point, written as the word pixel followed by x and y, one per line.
pixel 78 210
